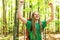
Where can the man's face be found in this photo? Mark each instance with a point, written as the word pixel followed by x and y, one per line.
pixel 36 16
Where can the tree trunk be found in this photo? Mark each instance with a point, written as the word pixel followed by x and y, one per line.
pixel 27 34
pixel 16 24
pixel 4 18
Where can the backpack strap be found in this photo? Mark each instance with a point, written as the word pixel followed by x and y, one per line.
pixel 27 34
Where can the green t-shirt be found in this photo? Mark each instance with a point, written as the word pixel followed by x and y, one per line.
pixel 37 26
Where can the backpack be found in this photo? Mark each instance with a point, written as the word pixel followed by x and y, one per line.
pixel 27 34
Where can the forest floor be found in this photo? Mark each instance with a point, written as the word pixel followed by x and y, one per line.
pixel 48 37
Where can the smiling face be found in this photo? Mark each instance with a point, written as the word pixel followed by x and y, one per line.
pixel 36 15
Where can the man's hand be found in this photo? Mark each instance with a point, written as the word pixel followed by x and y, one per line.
pixel 21 2
pixel 20 11
pixel 52 13
pixel 51 4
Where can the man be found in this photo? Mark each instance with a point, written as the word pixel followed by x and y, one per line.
pixel 34 25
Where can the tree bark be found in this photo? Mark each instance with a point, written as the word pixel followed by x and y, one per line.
pixel 4 18
pixel 16 24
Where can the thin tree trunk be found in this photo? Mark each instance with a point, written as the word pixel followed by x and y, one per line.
pixel 4 18
pixel 31 9
pixel 38 5
pixel 27 34
pixel 23 25
pixel 16 24
pixel 23 28
pixel 23 16
pixel 58 17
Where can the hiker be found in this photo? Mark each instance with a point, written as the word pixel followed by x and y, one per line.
pixel 33 24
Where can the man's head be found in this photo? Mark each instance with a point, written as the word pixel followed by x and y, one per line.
pixel 35 15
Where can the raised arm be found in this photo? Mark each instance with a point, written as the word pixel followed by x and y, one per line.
pixel 52 13
pixel 20 11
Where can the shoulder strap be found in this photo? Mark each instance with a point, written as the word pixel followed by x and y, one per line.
pixel 27 34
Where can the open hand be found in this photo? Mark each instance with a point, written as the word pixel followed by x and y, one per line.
pixel 21 1
pixel 51 4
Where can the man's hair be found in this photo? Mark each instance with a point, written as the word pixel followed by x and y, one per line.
pixel 33 23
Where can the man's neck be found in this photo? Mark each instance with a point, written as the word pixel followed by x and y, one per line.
pixel 36 21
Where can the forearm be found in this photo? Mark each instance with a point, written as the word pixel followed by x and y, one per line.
pixel 52 12
pixel 20 10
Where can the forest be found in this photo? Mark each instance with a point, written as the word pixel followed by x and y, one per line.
pixel 11 28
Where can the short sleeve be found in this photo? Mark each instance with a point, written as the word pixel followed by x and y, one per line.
pixel 28 25
pixel 44 24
